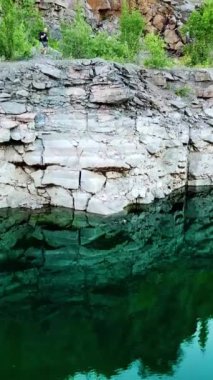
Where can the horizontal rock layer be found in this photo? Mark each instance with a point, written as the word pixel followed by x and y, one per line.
pixel 99 136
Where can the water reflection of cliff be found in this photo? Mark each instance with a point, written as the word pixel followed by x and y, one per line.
pixel 78 292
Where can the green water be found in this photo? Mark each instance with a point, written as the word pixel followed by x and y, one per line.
pixel 123 298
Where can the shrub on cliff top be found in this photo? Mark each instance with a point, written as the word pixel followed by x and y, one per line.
pixel 157 54
pixel 19 27
pixel 132 27
pixel 80 41
pixel 200 28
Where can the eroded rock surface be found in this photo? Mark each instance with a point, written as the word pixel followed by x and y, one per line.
pixel 99 136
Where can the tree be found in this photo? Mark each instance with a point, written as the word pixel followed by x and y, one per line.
pixel 200 29
pixel 19 26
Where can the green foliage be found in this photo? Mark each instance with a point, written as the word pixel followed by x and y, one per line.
pixel 183 91
pixel 109 47
pixel 157 54
pixel 31 19
pixel 19 27
pixel 79 40
pixel 200 28
pixel 132 27
pixel 13 39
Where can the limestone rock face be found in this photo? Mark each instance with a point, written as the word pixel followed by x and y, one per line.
pixel 100 137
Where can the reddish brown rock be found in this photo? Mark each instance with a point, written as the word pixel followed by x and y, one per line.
pixel 99 5
pixel 159 22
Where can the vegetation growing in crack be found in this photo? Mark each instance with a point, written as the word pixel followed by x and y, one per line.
pixel 183 91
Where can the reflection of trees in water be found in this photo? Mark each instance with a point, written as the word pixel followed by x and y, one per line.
pixel 147 322
pixel 203 333
pixel 99 293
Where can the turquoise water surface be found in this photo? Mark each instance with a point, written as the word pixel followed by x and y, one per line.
pixel 122 298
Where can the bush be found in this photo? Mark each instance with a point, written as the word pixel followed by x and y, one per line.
pixel 79 40
pixel 132 27
pixel 200 29
pixel 109 47
pixel 31 19
pixel 183 91
pixel 157 55
pixel 19 27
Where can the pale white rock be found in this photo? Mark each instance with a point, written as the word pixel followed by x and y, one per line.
pixel 8 123
pixel 2 153
pixel 113 94
pixel 172 158
pixel 113 175
pixel 35 155
pixel 92 182
pixel 12 155
pixel 106 207
pixel 201 136
pixel 20 197
pixel 200 182
pixel 65 122
pixel 26 117
pixel 22 93
pixel 80 200
pixel 100 161
pixel 60 149
pixel 5 191
pixel 209 112
pixel 4 135
pixel 203 75
pixel 61 176
pixel 39 85
pixel 57 91
pixel 23 133
pixel 205 93
pixel 201 167
pixel 12 175
pixel 37 177
pixel 60 197
pixel 50 71
pixel 13 108
pixel 76 92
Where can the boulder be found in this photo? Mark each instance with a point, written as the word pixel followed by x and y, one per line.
pixel 60 197
pixel 61 176
pixel 113 94
pixel 91 182
pixel 13 108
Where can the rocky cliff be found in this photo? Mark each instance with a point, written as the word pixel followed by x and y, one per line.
pixel 162 16
pixel 99 136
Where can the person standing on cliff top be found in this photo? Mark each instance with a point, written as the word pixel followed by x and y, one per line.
pixel 43 38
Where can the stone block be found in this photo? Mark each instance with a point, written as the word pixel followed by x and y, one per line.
pixel 92 182
pixel 61 176
pixel 13 108
pixel 111 94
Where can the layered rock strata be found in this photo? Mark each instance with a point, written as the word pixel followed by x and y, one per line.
pixel 98 137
